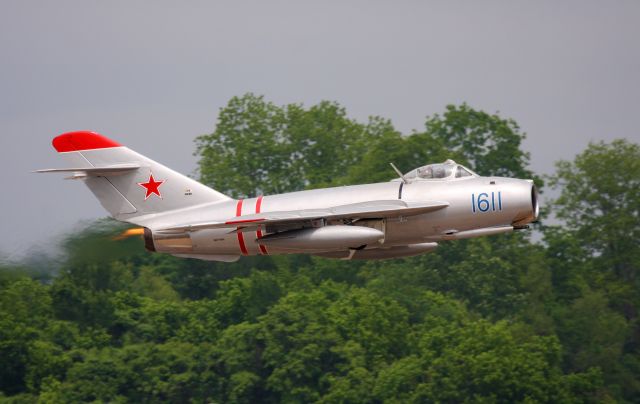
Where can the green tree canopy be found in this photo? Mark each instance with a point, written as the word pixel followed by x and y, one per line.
pixel 600 202
pixel 261 148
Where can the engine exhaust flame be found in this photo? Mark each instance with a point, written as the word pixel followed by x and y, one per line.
pixel 138 231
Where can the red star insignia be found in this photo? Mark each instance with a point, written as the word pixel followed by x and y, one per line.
pixel 152 187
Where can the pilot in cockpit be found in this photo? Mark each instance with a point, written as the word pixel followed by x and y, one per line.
pixel 440 171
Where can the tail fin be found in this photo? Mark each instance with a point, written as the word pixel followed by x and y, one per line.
pixel 126 183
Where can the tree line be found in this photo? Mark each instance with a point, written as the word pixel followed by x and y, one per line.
pixel 496 319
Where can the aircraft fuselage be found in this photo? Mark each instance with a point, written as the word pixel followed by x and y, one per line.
pixel 487 205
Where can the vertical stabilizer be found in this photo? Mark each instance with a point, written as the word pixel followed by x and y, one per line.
pixel 126 183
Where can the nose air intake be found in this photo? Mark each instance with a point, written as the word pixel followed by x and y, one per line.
pixel 534 202
pixel 530 208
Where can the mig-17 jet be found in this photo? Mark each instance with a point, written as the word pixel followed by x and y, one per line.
pixel 406 216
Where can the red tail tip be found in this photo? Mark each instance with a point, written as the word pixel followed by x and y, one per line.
pixel 82 140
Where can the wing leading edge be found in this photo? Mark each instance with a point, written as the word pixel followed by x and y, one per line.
pixel 362 210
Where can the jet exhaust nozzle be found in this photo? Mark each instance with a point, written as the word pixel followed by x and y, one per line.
pixel 167 242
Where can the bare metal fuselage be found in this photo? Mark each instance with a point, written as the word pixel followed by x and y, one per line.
pixel 477 206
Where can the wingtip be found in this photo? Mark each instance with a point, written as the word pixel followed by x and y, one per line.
pixel 82 140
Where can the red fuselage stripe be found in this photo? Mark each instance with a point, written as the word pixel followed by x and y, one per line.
pixel 241 243
pixel 263 249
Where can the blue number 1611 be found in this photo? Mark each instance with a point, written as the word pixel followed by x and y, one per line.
pixel 485 202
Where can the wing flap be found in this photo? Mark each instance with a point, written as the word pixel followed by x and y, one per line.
pixel 355 211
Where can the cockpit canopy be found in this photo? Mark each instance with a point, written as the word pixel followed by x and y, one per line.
pixel 448 169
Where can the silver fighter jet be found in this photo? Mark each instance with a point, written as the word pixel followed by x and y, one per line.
pixel 404 217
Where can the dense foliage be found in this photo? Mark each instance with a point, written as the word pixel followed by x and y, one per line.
pixel 500 319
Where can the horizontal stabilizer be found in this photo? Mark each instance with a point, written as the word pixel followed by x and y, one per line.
pixel 355 211
pixel 101 171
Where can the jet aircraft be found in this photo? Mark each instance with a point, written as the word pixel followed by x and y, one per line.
pixel 406 216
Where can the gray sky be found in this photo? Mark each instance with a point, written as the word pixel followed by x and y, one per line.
pixel 153 74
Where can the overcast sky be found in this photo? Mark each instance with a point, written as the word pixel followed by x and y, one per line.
pixel 153 75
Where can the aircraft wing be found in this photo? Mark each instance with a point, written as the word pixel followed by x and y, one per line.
pixel 362 210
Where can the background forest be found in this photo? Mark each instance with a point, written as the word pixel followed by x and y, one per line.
pixel 548 317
